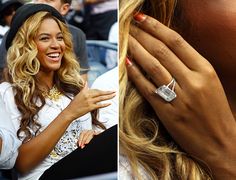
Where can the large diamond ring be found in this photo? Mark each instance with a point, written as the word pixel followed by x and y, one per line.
pixel 166 92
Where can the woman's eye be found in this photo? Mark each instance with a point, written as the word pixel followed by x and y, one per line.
pixel 43 38
pixel 60 38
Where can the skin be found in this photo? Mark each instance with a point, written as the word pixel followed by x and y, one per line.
pixel 85 137
pixel 49 43
pixel 94 1
pixel 8 18
pixel 63 9
pixel 57 4
pixel 34 151
pixel 200 118
pixel 214 37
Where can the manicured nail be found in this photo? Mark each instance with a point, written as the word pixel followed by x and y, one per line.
pixel 140 17
pixel 128 62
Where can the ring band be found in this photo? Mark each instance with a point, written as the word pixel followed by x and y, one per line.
pixel 165 92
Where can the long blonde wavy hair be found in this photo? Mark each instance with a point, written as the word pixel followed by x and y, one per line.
pixel 23 66
pixel 143 139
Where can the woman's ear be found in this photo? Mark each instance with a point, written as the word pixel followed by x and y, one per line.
pixel 64 9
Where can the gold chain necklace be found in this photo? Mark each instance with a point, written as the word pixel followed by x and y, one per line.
pixel 53 94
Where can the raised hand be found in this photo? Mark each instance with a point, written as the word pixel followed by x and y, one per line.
pixel 88 100
pixel 199 118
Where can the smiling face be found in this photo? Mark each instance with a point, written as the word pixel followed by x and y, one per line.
pixel 50 45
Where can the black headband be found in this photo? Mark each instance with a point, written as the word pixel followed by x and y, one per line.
pixel 23 13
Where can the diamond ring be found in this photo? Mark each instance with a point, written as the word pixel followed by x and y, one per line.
pixel 166 92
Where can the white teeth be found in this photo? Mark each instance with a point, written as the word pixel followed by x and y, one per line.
pixel 54 55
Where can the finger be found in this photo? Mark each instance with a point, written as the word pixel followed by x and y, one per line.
pixel 103 98
pixel 101 105
pixel 174 41
pixel 150 64
pixel 86 138
pixel 161 52
pixel 145 87
pixel 89 137
pixel 81 136
pixel 97 92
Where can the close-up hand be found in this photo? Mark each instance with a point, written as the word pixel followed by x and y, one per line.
pixel 85 137
pixel 88 100
pixel 199 117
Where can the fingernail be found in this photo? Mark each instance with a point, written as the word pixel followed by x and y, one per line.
pixel 140 17
pixel 128 62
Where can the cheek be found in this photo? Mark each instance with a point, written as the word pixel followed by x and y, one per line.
pixel 213 34
pixel 217 31
pixel 41 53
pixel 63 46
pixel 41 48
pixel 211 21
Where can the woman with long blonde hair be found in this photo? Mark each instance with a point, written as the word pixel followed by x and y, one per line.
pixel 51 107
pixel 167 128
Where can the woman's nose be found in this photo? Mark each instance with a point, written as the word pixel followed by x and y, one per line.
pixel 55 43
